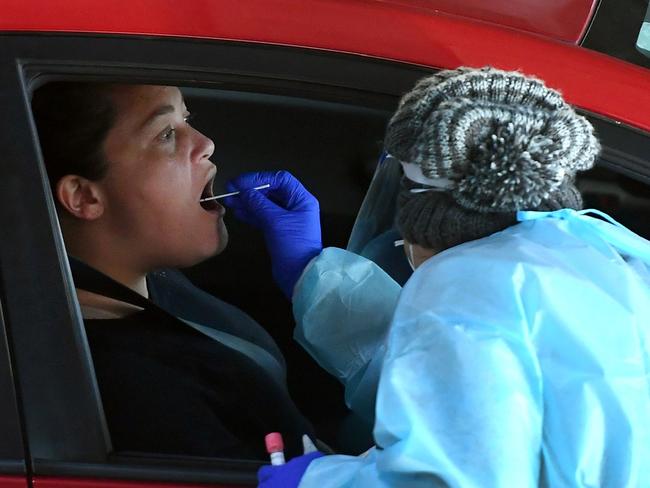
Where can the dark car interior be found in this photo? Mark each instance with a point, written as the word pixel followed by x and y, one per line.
pixel 332 148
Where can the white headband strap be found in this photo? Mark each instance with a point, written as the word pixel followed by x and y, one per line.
pixel 414 173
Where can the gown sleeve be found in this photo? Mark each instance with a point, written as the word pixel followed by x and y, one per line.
pixel 343 305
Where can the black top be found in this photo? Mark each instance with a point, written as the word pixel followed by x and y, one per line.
pixel 167 388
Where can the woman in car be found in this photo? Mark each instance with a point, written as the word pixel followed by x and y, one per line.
pixel 179 371
pixel 518 352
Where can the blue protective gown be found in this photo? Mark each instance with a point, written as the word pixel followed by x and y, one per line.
pixel 517 360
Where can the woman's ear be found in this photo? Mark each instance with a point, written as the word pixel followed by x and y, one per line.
pixel 81 197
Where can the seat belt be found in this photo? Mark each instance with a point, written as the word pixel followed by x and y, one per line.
pixel 89 279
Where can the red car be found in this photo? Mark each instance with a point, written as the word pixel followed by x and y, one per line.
pixel 305 85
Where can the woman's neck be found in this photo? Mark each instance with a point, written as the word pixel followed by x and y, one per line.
pixel 94 306
pixel 125 275
pixel 98 306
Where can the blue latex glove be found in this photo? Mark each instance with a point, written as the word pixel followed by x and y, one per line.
pixel 287 214
pixel 286 475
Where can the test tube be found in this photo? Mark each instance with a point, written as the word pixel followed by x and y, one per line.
pixel 275 448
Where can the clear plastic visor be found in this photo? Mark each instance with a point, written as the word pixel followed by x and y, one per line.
pixel 374 233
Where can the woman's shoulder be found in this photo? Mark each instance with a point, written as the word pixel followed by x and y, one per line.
pixel 174 292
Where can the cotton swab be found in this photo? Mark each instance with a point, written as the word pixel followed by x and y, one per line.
pixel 261 187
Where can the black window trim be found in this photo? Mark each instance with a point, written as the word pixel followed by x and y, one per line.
pixel 12 450
pixel 614 135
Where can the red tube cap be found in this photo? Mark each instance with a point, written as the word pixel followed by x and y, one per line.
pixel 273 442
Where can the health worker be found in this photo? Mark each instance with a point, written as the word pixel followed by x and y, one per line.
pixel 518 352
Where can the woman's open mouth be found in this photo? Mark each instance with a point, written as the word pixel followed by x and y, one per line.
pixel 209 205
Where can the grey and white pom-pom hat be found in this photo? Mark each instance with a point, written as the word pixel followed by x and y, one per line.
pixel 504 140
pixel 491 142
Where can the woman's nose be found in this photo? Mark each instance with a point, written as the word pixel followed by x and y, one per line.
pixel 203 147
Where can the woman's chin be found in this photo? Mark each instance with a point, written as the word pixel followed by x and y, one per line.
pixel 218 242
pixel 222 243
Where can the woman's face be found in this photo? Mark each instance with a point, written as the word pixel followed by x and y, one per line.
pixel 158 169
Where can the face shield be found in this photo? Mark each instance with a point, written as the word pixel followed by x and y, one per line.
pixel 374 234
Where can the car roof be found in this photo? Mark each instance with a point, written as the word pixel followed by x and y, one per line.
pixel 397 30
pixel 565 20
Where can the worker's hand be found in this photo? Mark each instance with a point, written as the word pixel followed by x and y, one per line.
pixel 286 475
pixel 287 214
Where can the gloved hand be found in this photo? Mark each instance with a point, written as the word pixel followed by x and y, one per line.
pixel 286 475
pixel 287 214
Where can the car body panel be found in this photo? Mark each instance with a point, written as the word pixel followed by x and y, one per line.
pixel 592 81
pixel 563 20
pixel 13 482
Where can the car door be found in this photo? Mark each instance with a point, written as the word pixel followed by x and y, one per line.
pixel 249 91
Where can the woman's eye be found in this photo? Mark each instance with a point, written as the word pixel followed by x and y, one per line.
pixel 168 134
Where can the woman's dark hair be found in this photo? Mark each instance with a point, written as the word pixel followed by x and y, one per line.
pixel 73 120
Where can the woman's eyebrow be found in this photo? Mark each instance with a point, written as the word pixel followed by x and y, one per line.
pixel 162 110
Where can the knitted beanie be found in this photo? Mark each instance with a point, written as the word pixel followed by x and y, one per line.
pixel 500 140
